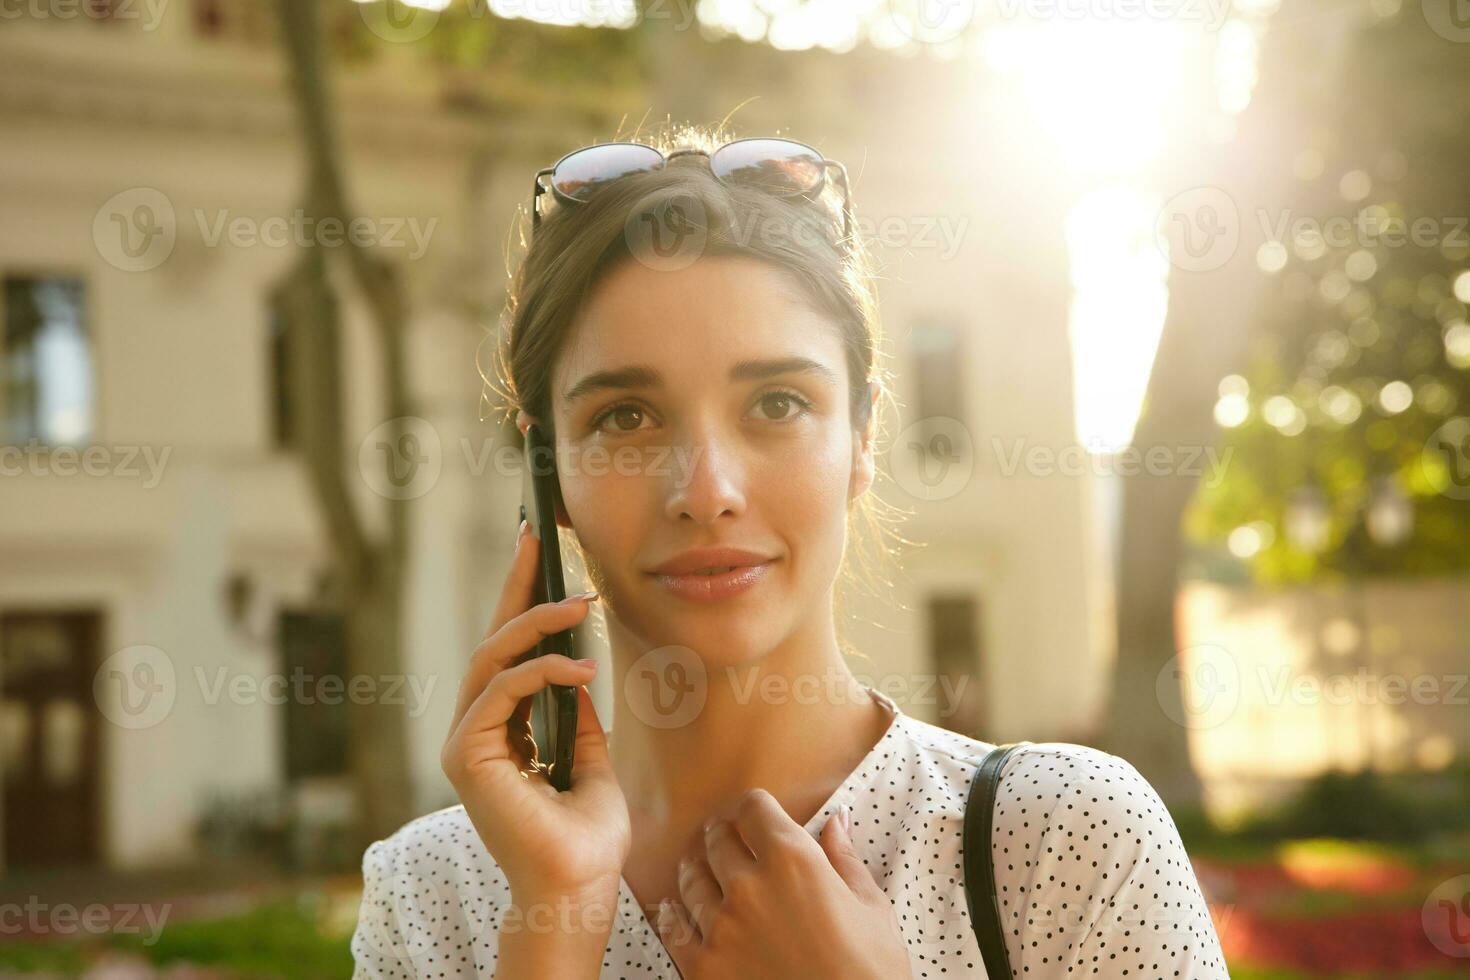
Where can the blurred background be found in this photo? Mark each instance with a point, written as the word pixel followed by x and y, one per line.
pixel 1176 297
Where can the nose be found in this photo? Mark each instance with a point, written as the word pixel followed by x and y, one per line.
pixel 706 480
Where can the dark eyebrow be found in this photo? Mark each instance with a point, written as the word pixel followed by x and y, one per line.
pixel 642 376
pixel 637 376
pixel 755 370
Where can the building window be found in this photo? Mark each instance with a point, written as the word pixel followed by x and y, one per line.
pixel 313 650
pixel 958 658
pixel 939 368
pixel 45 362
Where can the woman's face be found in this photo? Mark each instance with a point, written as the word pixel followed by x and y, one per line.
pixel 707 408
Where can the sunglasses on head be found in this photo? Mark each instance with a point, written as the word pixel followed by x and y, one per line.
pixel 782 167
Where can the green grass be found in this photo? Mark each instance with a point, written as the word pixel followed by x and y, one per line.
pixel 283 940
pixel 280 939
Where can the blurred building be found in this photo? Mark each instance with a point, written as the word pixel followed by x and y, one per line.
pixel 148 182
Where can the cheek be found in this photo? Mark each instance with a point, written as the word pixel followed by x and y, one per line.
pixel 806 493
pixel 608 513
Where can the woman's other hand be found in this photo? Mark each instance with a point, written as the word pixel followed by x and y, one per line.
pixel 760 898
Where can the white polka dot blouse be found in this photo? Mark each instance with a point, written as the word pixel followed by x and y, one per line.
pixel 1092 878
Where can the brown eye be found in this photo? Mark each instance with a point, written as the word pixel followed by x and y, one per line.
pixel 781 406
pixel 623 418
pixel 628 417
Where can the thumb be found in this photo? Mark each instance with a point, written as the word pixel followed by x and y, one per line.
pixel 837 843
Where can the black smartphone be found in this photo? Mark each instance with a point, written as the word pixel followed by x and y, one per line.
pixel 554 708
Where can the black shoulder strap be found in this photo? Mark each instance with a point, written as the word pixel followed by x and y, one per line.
pixel 979 875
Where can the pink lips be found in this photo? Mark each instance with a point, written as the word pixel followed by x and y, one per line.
pixel 682 575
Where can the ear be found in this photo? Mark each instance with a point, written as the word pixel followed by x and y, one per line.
pixel 863 467
pixel 523 420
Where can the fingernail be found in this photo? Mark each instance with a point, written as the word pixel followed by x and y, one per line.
pixel 581 597
pixel 844 815
pixel 520 533
pixel 588 662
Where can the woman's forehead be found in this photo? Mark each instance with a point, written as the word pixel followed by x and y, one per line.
pixel 696 322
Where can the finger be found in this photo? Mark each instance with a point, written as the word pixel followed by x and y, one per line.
pixel 679 933
pixel 699 892
pixel 837 845
pixel 498 702
pixel 513 639
pixel 520 582
pixel 726 853
pixel 765 826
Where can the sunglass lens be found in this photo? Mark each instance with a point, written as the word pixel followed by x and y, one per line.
pixel 580 174
pixel 773 165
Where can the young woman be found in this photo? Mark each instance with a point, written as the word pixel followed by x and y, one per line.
pixel 700 324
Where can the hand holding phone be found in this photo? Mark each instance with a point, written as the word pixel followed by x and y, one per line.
pixel 572 842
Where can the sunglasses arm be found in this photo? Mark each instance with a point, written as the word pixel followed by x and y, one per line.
pixel 841 174
pixel 536 198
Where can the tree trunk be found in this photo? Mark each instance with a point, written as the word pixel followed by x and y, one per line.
pixel 370 574
pixel 1205 337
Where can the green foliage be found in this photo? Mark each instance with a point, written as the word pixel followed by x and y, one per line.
pixel 1363 301
pixel 282 939
pixel 1362 806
